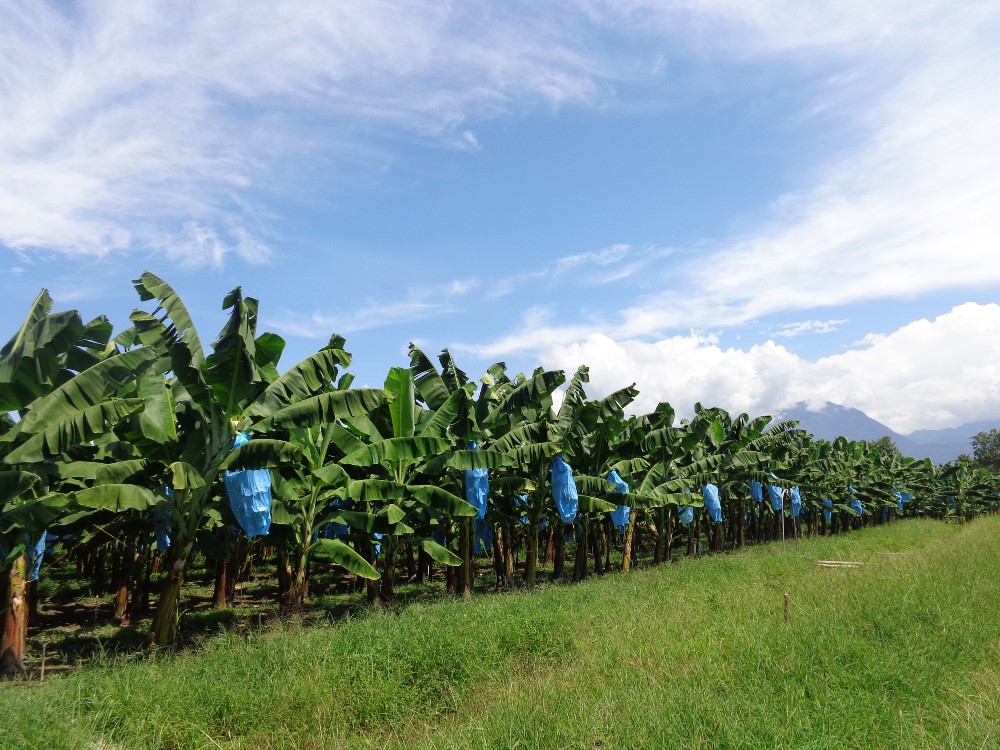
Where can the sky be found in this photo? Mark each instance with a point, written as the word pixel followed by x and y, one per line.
pixel 747 203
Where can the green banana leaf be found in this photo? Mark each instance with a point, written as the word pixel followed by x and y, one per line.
pixel 346 557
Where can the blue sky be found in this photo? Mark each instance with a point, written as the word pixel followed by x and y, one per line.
pixel 749 204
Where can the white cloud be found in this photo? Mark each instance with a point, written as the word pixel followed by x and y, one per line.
pixel 928 374
pixel 801 327
pixel 419 303
pixel 167 127
pixel 134 125
pixel 905 206
pixel 321 325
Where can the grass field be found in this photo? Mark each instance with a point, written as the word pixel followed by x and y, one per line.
pixel 901 652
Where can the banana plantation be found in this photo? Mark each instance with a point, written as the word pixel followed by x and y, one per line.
pixel 140 455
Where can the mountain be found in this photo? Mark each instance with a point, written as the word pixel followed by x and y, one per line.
pixel 834 420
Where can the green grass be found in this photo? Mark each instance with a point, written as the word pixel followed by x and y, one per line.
pixel 903 652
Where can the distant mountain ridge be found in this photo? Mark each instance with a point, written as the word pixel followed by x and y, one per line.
pixel 834 420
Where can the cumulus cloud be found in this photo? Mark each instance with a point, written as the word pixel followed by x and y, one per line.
pixel 927 374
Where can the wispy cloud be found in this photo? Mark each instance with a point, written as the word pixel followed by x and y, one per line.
pixel 787 330
pixel 905 206
pixel 418 303
pixel 161 126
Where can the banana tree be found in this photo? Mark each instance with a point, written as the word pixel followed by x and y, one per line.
pixel 520 414
pixel 589 433
pixel 749 449
pixel 677 463
pixel 196 413
pixel 971 488
pixel 397 454
pixel 62 378
pixel 308 479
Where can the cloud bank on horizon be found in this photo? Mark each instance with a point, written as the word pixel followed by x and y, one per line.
pixel 196 134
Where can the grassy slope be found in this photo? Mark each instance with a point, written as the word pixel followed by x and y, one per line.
pixel 903 652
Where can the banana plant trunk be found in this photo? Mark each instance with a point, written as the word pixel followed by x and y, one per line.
pixel 559 552
pixel 466 570
pixel 606 536
pixel 629 536
pixel 597 549
pixel 222 575
pixel 126 574
pixel 166 620
pixel 508 556
pixel 531 558
pixel 661 522
pixel 300 579
pixel 387 588
pixel 14 642
pixel 582 545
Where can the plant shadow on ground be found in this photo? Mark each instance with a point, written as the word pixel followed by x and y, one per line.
pixel 73 628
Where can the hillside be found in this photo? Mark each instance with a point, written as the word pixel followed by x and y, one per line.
pixel 834 420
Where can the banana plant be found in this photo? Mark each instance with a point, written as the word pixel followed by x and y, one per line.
pixel 520 413
pixel 63 379
pixel 396 454
pixel 677 463
pixel 589 433
pixel 308 480
pixel 195 414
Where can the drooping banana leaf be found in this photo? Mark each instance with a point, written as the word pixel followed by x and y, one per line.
pixel 396 450
pixel 263 453
pixel 151 287
pixel 303 380
pixel 115 497
pixel 440 554
pixel 73 428
pixel 346 557
pixel 325 408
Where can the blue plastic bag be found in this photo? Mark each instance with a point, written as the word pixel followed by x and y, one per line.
pixel 477 486
pixel 161 522
pixel 712 504
pixel 521 501
pixel 856 506
pixel 34 551
pixel 903 497
pixel 564 490
pixel 620 515
pixel 774 495
pixel 827 514
pixel 796 502
pixel 333 530
pixel 484 536
pixel 685 514
pixel 249 493
pixel 756 491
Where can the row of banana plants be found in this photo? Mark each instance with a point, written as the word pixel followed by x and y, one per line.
pixel 130 436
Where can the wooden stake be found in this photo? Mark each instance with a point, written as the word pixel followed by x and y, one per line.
pixel 788 607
